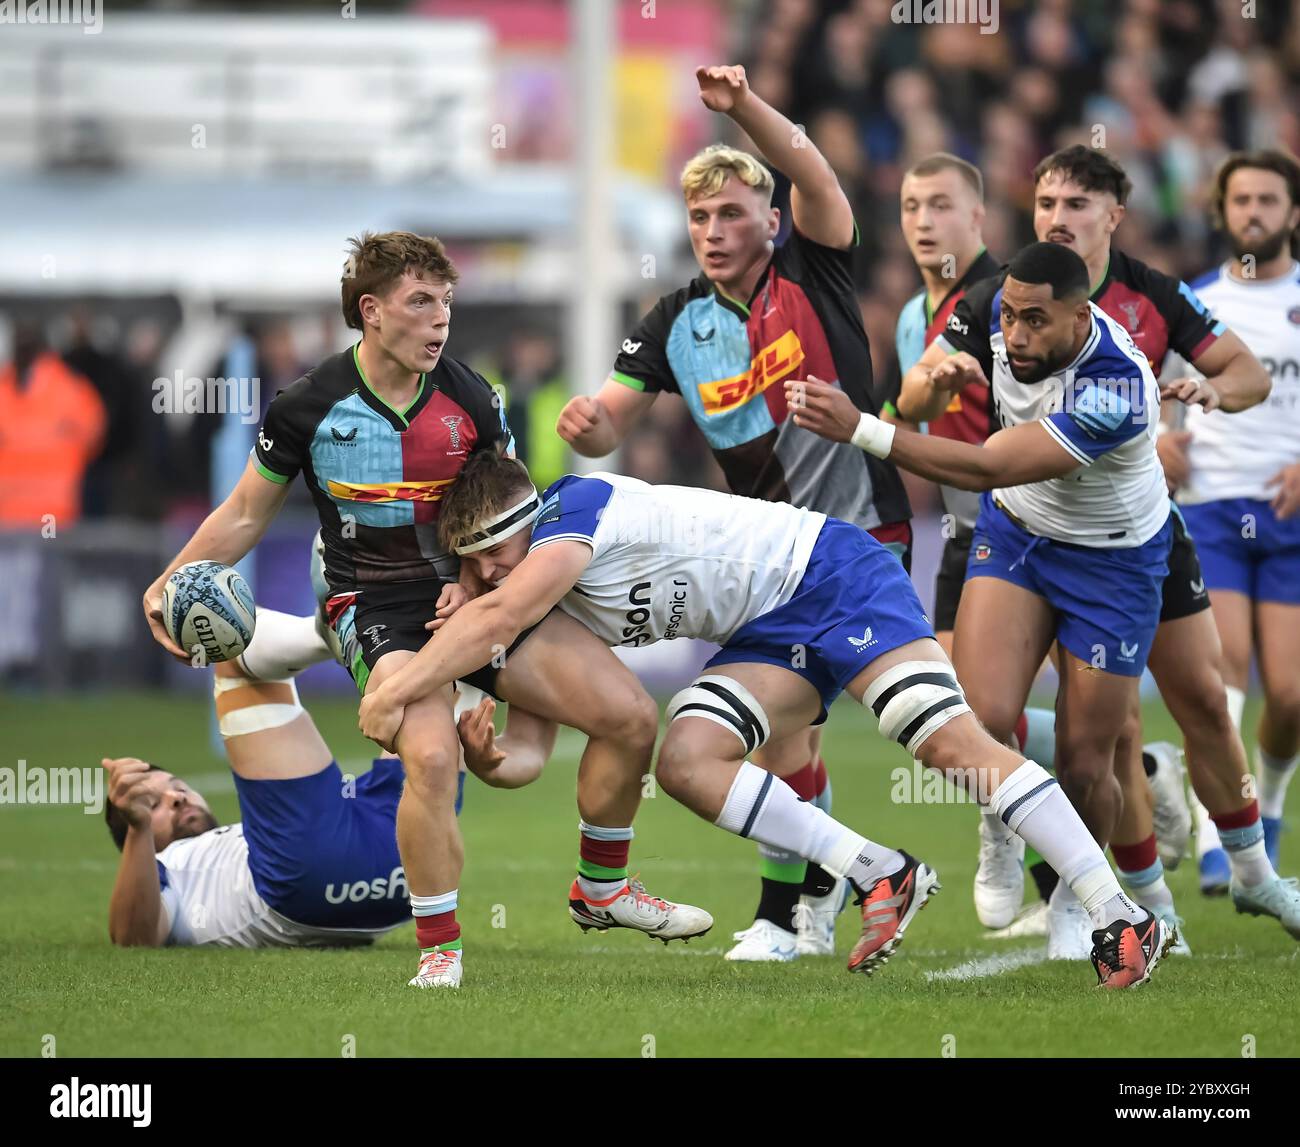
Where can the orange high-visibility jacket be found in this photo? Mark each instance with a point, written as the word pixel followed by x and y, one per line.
pixel 50 431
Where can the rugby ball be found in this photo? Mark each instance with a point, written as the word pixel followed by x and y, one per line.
pixel 208 611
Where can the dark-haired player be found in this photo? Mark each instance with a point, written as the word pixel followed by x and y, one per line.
pixel 976 328
pixel 378 432
pixel 942 213
pixel 1238 476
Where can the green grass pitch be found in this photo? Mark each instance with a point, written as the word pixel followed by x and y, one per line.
pixel 537 986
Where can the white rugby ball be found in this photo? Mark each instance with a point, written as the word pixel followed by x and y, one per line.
pixel 208 610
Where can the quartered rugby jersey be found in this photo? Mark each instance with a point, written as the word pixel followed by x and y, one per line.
pixel 968 415
pixel 729 361
pixel 1103 409
pixel 674 561
pixel 377 474
pixel 1160 313
pixel 1237 455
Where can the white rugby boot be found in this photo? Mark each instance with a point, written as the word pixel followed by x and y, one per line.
pixel 764 943
pixel 438 969
pixel 814 920
pixel 1170 811
pixel 1000 876
pixel 633 907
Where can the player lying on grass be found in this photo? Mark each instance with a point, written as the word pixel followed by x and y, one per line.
pixel 1073 536
pixel 314 861
pixel 805 607
pixel 377 432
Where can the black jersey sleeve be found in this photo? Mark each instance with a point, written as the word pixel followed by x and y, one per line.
pixel 1193 329
pixel 642 361
pixel 285 435
pixel 488 411
pixel 803 258
pixel 970 323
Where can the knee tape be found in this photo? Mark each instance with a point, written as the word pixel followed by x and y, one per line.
pixel 913 699
pixel 725 702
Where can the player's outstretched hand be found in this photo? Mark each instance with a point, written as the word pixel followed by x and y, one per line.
pixel 822 408
pixel 478 739
pixel 723 88
pixel 581 415
pixel 127 791
pixel 956 371
pixel 1286 502
pixel 1171 449
pixel 452 597
pixel 1192 392
pixel 380 719
pixel 154 616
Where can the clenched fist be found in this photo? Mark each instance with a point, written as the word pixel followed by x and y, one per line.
pixel 722 88
pixel 581 417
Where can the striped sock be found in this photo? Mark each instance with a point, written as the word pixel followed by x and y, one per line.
pixel 435 922
pixel 602 860
pixel 1242 835
pixel 1142 874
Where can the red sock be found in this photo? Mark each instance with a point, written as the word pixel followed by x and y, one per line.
pixel 1022 731
pixel 1242 818
pixel 603 859
pixel 1135 857
pixel 436 931
pixel 804 782
pixel 822 779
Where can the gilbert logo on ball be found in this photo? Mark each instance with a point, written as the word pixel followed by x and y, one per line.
pixel 208 606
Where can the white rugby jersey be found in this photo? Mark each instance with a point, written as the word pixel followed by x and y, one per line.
pixel 1234 455
pixel 1103 408
pixel 674 561
pixel 209 898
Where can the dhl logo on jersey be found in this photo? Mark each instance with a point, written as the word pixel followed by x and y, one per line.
pixel 390 491
pixel 773 363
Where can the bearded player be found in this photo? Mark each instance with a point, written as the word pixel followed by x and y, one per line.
pixel 1239 475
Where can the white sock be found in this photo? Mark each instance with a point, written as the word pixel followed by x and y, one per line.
pixel 1272 773
pixel 1250 865
pixel 283 645
pixel 764 808
pixel 1148 887
pixel 1031 804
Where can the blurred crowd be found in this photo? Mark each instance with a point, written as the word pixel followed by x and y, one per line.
pixel 1168 87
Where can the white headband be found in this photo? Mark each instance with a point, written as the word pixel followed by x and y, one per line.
pixel 507 522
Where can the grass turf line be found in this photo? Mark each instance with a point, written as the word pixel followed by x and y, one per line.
pixel 537 986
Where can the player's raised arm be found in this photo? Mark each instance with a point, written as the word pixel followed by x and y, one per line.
pixel 820 208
